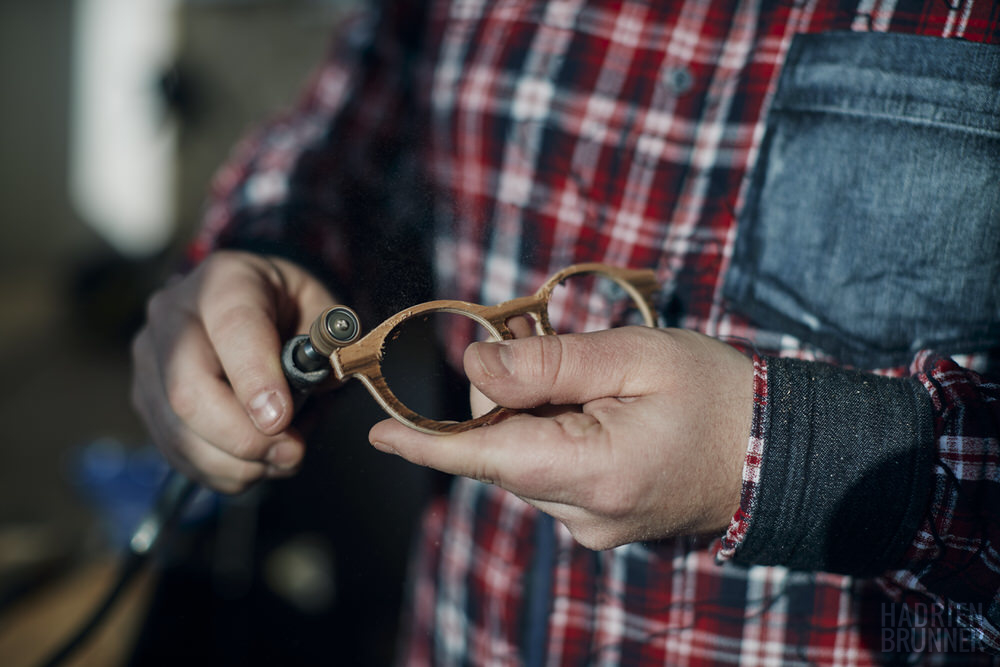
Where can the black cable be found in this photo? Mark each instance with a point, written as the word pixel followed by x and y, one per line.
pixel 127 570
pixel 305 369
pixel 173 498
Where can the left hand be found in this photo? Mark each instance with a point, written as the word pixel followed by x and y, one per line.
pixel 647 439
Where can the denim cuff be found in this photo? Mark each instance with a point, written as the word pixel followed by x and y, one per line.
pixel 846 473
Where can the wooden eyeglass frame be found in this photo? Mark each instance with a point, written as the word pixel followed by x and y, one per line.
pixel 362 358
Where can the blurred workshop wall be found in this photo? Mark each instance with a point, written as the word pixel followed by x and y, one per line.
pixel 37 222
pixel 37 225
pixel 237 62
pixel 39 236
pixel 161 91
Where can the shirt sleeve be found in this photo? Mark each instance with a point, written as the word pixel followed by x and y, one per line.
pixel 897 478
pixel 954 558
pixel 310 185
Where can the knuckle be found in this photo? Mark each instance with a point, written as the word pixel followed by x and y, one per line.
pixel 243 476
pixel 644 371
pixel 578 425
pixel 548 357
pixel 487 474
pixel 230 322
pixel 673 343
pixel 215 265
pixel 217 270
pixel 229 485
pixel 248 445
pixel 183 398
pixel 602 409
pixel 231 318
pixel 158 305
pixel 228 476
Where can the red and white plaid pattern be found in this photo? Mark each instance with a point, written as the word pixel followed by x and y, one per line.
pixel 751 467
pixel 621 132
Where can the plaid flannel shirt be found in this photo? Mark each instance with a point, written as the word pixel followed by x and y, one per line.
pixel 540 134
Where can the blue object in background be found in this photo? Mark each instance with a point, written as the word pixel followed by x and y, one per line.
pixel 121 484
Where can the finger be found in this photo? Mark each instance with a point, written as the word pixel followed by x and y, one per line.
pixel 199 395
pixel 521 326
pixel 309 296
pixel 240 315
pixel 535 457
pixel 479 404
pixel 563 369
pixel 182 447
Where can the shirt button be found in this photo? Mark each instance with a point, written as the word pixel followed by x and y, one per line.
pixel 611 290
pixel 678 79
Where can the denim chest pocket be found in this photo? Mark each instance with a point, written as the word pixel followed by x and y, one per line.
pixel 871 227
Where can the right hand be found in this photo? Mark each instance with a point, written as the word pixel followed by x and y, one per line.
pixel 207 378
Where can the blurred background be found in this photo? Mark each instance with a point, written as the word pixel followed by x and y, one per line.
pixel 114 115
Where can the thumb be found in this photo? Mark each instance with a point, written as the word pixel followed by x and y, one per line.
pixel 563 369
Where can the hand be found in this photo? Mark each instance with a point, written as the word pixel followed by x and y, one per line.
pixel 642 435
pixel 207 376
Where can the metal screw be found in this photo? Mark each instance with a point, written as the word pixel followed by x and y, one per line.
pixel 341 324
pixel 335 328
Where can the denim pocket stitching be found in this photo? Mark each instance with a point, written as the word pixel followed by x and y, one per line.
pixel 759 294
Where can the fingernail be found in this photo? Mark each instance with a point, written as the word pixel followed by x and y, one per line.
pixel 284 455
pixel 496 359
pixel 382 447
pixel 265 409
